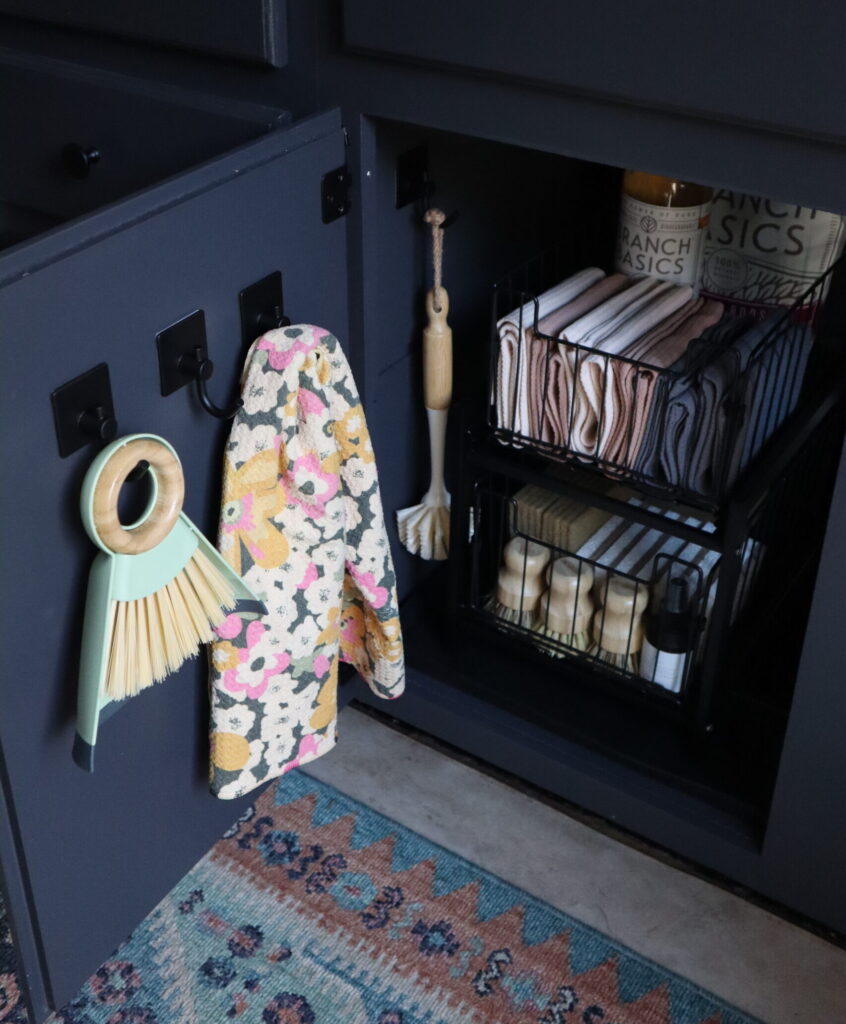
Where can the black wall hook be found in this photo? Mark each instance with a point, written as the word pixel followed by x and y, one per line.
pixel 262 308
pixel 184 358
pixel 83 411
pixel 200 368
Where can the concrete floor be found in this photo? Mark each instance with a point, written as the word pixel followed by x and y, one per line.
pixel 760 963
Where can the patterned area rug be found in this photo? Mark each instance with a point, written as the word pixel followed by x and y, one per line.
pixel 11 1004
pixel 316 910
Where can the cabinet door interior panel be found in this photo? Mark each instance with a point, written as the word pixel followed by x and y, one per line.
pixel 100 850
pixel 723 59
pixel 253 30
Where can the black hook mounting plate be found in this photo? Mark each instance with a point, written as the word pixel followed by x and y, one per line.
pixel 83 410
pixel 176 342
pixel 412 181
pixel 262 308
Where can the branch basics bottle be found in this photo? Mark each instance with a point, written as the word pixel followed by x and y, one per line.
pixel 663 223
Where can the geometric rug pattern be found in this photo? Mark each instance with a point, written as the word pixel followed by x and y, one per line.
pixel 11 1004
pixel 314 909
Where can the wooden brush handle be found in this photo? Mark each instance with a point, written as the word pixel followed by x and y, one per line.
pixel 570 605
pixel 437 353
pixel 618 627
pixel 520 584
pixel 170 492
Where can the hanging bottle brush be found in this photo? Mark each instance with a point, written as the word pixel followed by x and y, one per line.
pixel 520 584
pixel 424 528
pixel 566 610
pixel 618 623
pixel 157 588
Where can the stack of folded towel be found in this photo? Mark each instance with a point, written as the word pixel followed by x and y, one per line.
pixel 622 546
pixel 634 374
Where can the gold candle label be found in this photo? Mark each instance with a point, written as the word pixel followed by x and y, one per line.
pixel 661 241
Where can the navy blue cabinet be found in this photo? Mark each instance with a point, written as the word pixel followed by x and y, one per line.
pixel 252 30
pixel 89 855
pixel 527 116
pixel 739 62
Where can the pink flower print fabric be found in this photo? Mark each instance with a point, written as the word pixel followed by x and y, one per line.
pixel 302 522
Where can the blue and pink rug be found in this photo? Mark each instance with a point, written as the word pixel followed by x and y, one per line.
pixel 11 1004
pixel 314 909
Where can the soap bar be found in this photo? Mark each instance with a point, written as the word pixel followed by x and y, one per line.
pixel 556 519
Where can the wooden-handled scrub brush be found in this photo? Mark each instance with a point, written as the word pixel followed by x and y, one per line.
pixel 520 584
pixel 157 588
pixel 618 623
pixel 424 528
pixel 565 612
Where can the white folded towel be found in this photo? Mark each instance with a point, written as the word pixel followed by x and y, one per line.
pixel 511 399
pixel 594 400
pixel 594 325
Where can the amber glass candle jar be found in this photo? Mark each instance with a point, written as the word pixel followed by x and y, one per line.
pixel 663 222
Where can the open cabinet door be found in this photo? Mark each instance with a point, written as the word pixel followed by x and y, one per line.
pixel 86 857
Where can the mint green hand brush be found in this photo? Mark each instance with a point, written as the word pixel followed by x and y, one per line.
pixel 156 591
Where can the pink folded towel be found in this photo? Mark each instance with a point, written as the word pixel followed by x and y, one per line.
pixel 592 370
pixel 630 390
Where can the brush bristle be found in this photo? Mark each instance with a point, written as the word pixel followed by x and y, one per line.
pixel 153 636
pixel 144 661
pixel 155 632
pixel 512 615
pixel 424 531
pixel 628 664
pixel 582 642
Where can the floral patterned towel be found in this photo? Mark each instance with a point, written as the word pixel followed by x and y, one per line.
pixel 302 522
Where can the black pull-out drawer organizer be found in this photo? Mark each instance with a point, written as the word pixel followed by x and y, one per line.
pixel 566 546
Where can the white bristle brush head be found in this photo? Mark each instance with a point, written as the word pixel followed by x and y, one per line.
pixel 154 635
pixel 424 531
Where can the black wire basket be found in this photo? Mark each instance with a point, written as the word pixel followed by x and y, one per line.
pixel 687 431
pixel 747 574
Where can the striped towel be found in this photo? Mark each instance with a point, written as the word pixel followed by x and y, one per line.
pixel 511 398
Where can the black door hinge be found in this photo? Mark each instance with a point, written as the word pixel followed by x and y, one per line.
pixel 335 194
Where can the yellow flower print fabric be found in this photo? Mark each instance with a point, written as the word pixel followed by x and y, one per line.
pixel 302 522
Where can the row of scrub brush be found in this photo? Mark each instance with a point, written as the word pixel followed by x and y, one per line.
pixel 557 599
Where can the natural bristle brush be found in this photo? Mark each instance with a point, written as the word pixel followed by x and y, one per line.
pixel 157 588
pixel 424 528
pixel 618 622
pixel 520 584
pixel 565 612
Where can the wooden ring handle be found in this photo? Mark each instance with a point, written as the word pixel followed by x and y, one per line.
pixel 159 521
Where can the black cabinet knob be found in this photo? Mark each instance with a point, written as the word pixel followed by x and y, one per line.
pixel 79 160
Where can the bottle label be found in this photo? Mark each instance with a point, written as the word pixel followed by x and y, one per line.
pixel 759 252
pixel 662 667
pixel 661 241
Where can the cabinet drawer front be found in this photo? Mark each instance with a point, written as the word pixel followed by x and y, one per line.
pixel 100 850
pixel 142 132
pixel 743 62
pixel 253 30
